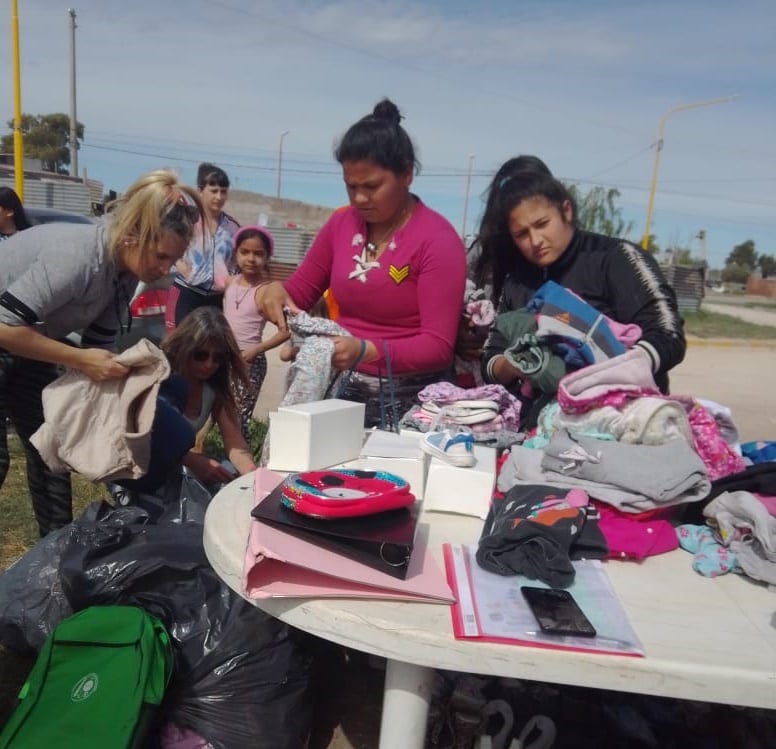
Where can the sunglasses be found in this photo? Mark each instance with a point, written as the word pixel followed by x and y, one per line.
pixel 184 202
pixel 217 357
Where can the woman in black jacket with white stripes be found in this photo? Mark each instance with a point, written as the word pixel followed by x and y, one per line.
pixel 529 236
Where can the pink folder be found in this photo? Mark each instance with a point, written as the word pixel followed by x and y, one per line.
pixel 278 564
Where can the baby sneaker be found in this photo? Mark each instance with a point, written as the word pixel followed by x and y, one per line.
pixel 454 447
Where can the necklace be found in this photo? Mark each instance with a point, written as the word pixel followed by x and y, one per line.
pixel 238 300
pixel 371 248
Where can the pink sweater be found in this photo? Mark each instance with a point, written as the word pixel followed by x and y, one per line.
pixel 411 303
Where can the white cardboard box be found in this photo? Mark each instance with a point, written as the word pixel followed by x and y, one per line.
pixel 465 491
pixel 315 435
pixel 398 454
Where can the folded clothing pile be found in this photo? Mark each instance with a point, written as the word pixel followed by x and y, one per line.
pixel 462 411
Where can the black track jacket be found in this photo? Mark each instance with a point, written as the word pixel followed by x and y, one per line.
pixel 617 278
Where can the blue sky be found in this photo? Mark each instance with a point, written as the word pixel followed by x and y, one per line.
pixel 581 84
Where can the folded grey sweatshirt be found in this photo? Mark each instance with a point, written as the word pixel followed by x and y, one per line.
pixel 634 492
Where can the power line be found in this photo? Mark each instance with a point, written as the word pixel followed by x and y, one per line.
pixel 334 172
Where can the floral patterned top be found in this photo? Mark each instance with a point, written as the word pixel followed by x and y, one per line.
pixel 209 258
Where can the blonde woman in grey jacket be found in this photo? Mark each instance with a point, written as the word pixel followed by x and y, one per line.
pixel 59 278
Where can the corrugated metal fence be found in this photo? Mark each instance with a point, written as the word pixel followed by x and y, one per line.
pixel 687 282
pixel 55 193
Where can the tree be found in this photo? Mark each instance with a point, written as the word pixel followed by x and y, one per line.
pixel 597 211
pixel 683 256
pixel 653 248
pixel 767 265
pixel 736 273
pixel 45 137
pixel 743 254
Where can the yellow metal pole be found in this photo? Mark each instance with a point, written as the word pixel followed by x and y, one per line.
pixel 18 151
pixel 659 149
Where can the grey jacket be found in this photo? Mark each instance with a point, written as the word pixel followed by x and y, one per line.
pixel 59 278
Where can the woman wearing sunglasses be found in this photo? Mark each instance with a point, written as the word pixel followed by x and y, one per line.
pixel 202 350
pixel 56 279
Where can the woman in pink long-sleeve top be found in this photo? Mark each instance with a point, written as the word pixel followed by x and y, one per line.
pixel 395 267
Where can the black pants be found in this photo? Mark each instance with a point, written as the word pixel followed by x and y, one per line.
pixel 189 300
pixel 21 384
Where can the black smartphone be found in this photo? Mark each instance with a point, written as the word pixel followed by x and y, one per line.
pixel 557 612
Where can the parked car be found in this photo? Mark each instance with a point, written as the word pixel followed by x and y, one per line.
pixel 149 301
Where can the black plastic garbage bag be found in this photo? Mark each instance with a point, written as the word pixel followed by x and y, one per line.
pixel 240 678
pixel 32 602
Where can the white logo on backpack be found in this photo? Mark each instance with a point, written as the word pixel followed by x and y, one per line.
pixel 85 687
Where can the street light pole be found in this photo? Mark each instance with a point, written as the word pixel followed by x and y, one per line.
pixel 280 159
pixel 73 121
pixel 659 149
pixel 466 199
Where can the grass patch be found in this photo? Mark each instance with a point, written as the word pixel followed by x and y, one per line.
pixel 257 431
pixel 714 325
pixel 18 530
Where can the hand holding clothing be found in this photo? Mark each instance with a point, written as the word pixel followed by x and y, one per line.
pixel 271 301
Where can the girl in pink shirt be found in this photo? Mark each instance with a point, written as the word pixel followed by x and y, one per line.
pixel 252 250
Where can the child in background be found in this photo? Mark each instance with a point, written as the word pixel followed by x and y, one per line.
pixel 203 351
pixel 252 250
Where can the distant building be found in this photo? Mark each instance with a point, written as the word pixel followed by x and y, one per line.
pixel 50 190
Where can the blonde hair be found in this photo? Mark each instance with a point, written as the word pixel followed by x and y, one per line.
pixel 155 203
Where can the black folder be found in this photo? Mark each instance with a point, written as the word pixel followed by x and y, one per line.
pixel 383 541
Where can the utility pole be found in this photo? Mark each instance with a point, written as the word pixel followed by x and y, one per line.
pixel 701 237
pixel 280 159
pixel 466 199
pixel 73 120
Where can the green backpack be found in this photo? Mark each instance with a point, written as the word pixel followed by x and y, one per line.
pixel 95 683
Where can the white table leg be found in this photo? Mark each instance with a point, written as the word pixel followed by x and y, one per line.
pixel 405 705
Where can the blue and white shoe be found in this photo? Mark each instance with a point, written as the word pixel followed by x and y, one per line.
pixel 456 448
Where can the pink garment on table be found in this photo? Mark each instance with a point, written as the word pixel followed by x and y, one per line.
pixel 609 383
pixel 411 299
pixel 768 502
pixel 445 393
pixel 719 458
pixel 635 536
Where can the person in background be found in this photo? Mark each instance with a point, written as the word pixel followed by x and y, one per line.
pixel 12 219
pixel 530 236
pixel 200 276
pixel 12 215
pixel 204 352
pixel 252 253
pixel 395 267
pixel 56 279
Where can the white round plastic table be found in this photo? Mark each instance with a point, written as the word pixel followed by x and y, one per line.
pixel 709 639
